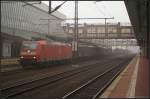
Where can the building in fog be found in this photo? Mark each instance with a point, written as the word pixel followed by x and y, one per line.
pixel 99 28
pixel 23 21
pixel 103 35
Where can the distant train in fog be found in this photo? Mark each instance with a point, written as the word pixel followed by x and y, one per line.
pixel 42 51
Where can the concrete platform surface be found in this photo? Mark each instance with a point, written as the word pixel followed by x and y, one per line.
pixel 10 64
pixel 133 82
pixel 9 61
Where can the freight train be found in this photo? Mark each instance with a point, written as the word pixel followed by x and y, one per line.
pixel 42 51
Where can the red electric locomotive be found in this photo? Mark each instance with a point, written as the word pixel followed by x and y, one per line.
pixel 42 51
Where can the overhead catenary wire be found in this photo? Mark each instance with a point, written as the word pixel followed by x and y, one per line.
pixel 106 8
pixel 100 10
pixel 56 8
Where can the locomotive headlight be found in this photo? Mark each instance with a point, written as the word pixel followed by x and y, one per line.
pixel 21 57
pixel 34 57
pixel 28 51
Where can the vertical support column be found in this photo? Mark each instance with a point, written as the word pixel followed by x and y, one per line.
pixel 67 28
pixel 48 27
pixel 144 46
pixel 50 6
pixel 76 30
pixel 85 30
pixel 148 31
pixel 106 29
pixel 118 29
pixel 106 35
pixel 1 47
pixel 77 25
pixel 96 31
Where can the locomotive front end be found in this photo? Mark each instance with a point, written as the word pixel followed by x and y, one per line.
pixel 28 53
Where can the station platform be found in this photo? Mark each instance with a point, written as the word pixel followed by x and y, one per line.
pixel 9 64
pixel 9 61
pixel 133 81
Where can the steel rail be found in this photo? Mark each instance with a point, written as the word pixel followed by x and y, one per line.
pixel 69 94
pixel 34 78
pixel 53 78
pixel 108 83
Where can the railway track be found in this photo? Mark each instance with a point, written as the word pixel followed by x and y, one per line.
pixel 95 86
pixel 22 76
pixel 11 77
pixel 20 88
pixel 17 67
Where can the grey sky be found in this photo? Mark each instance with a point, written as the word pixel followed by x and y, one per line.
pixel 102 9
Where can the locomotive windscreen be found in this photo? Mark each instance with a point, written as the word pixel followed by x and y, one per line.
pixel 29 45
